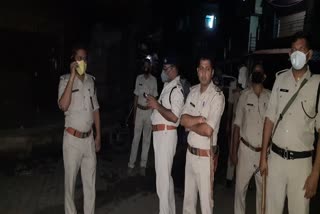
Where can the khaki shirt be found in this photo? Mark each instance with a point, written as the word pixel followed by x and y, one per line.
pixel 209 104
pixel 83 102
pixel 148 86
pixel 250 115
pixel 296 130
pixel 177 101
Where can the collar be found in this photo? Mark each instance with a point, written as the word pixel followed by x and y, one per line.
pixel 172 82
pixel 210 88
pixel 306 75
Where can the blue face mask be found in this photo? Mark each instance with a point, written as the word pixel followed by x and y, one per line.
pixel 164 77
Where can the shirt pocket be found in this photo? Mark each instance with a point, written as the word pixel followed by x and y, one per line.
pixel 141 88
pixel 308 106
pixel 76 100
pixel 250 109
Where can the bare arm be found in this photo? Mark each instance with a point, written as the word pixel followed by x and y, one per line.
pixel 311 184
pixel 166 113
pixel 96 118
pixel 188 121
pixel 135 103
pixel 267 131
pixel 236 142
pixel 202 129
pixel 316 165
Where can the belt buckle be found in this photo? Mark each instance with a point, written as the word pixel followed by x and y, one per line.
pixel 287 155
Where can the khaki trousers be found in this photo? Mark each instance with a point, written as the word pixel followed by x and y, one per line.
pixel 197 179
pixel 287 178
pixel 164 144
pixel 248 162
pixel 79 153
pixel 142 125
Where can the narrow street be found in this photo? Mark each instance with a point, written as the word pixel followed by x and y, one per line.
pixel 36 187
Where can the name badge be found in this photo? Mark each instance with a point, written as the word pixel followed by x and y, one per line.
pixel 284 90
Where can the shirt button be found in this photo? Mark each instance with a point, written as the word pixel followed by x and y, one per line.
pixel 287 131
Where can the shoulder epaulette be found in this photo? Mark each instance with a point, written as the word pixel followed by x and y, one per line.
pixel 92 77
pixel 281 72
pixel 65 77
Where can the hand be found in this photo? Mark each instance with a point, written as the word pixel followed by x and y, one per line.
pixel 263 166
pixel 73 67
pixel 202 120
pixel 311 185
pixel 152 102
pixel 97 143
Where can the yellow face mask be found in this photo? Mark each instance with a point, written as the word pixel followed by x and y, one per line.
pixel 82 67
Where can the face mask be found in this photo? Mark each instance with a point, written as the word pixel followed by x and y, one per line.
pixel 298 60
pixel 82 67
pixel 257 77
pixel 164 77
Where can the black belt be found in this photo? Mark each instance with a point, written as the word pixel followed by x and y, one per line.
pixel 290 155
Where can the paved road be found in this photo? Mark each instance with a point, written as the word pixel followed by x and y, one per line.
pixel 36 187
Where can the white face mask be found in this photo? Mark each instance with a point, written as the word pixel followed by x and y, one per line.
pixel 298 60
pixel 164 77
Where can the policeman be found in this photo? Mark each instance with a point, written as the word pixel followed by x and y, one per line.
pixel 201 115
pixel 289 126
pixel 78 100
pixel 248 129
pixel 165 119
pixel 146 83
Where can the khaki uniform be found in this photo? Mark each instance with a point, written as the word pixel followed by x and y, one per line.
pixel 250 115
pixel 232 100
pixel 296 133
pixel 142 120
pixel 79 152
pixel 164 144
pixel 209 104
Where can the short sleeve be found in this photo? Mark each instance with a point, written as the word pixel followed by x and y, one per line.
pixel 216 110
pixel 177 102
pixel 240 111
pixel 62 85
pixel 185 109
pixel 272 106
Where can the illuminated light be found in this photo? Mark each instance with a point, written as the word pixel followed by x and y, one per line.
pixel 210 21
